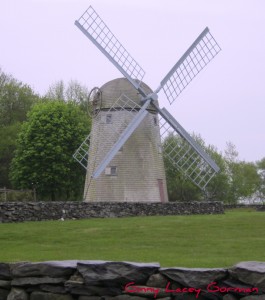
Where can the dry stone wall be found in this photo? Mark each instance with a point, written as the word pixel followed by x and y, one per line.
pixel 101 280
pixel 39 211
pixel 258 207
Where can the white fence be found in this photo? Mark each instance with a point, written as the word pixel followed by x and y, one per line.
pixel 7 195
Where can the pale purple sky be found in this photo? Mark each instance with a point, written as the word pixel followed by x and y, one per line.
pixel 226 102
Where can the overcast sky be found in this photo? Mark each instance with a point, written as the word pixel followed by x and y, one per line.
pixel 226 102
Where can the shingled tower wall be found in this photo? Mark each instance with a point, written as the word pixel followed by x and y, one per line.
pixel 136 173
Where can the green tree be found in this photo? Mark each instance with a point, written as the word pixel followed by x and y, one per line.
pixel 216 189
pixel 244 181
pixel 261 171
pixel 46 143
pixel 243 177
pixel 235 179
pixel 179 187
pixel 8 136
pixel 16 99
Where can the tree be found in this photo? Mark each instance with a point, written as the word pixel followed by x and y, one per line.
pixel 71 92
pixel 56 91
pixel 76 92
pixel 243 178
pixel 216 189
pixel 179 187
pixel 244 181
pixel 261 171
pixel 16 99
pixel 46 143
pixel 235 180
pixel 8 136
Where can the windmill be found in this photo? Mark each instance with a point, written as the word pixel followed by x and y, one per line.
pixel 131 134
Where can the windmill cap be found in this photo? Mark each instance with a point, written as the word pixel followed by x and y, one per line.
pixel 113 89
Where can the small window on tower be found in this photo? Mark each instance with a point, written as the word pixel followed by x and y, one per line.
pixel 111 171
pixel 155 120
pixel 160 149
pixel 108 119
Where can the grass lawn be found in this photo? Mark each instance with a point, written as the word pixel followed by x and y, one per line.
pixel 188 241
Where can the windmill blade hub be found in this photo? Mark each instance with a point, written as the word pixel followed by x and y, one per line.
pixel 152 96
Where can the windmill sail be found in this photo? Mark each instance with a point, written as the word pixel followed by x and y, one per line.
pixel 184 153
pixel 200 53
pixel 100 35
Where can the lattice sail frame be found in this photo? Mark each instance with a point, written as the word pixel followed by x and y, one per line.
pixel 98 32
pixel 182 156
pixel 199 54
pixel 85 154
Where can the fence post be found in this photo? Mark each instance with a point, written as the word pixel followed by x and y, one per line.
pixel 5 194
pixel 34 194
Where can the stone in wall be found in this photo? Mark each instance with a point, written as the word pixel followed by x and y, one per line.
pixel 28 281
pixel 5 271
pixel 4 294
pixel 5 284
pixel 115 273
pixel 49 288
pixel 17 294
pixel 250 272
pixel 94 298
pixel 157 280
pixel 194 277
pixel 49 296
pixel 229 297
pixel 49 268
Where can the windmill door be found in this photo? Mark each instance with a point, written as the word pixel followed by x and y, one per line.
pixel 161 190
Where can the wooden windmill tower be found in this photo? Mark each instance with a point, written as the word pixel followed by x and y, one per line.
pixel 130 134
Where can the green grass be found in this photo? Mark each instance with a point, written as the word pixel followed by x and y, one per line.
pixel 188 241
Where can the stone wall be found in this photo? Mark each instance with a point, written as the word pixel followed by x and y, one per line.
pixel 261 208
pixel 258 207
pixel 38 211
pixel 100 280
